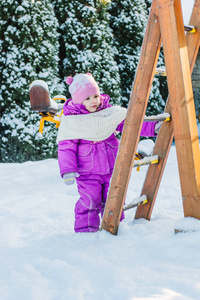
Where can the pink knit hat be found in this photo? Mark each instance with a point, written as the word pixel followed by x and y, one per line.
pixel 81 86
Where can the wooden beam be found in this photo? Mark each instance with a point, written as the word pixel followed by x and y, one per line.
pixel 165 136
pixel 133 123
pixel 181 103
pixel 187 141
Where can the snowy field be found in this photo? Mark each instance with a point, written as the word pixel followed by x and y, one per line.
pixel 43 259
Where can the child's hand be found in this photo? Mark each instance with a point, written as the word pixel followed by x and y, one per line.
pixel 69 178
pixel 158 126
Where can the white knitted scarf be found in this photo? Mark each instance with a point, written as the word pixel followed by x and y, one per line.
pixel 96 126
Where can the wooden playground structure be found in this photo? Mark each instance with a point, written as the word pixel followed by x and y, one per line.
pixel 165 25
pixel 180 46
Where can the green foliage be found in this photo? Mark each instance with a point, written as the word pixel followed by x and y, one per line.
pixel 163 88
pixel 148 4
pixel 21 141
pixel 86 43
pixel 50 42
pixel 29 48
pixel 128 21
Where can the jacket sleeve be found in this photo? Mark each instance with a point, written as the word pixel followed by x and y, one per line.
pixel 120 126
pixel 147 128
pixel 67 156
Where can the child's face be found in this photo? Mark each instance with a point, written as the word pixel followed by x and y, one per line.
pixel 92 103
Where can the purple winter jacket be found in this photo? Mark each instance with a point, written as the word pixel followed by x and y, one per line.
pixel 88 157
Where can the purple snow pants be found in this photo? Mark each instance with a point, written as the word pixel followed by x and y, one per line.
pixel 93 191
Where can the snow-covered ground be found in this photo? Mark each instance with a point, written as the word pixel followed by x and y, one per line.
pixel 42 258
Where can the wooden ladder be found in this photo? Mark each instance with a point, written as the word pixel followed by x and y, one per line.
pixel 165 25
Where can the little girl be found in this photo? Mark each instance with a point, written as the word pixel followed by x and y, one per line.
pixel 87 147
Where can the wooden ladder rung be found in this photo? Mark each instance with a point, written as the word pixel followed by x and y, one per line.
pixel 136 202
pixel 161 71
pixel 160 117
pixel 149 160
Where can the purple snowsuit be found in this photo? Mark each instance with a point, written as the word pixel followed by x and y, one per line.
pixel 94 162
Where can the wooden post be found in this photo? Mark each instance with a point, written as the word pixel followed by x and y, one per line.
pixel 133 123
pixel 165 136
pixel 181 103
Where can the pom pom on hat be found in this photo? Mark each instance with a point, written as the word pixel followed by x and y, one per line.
pixel 82 86
pixel 69 80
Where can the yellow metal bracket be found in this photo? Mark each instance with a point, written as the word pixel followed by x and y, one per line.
pixel 190 28
pixel 50 117
pixel 138 162
pixel 137 157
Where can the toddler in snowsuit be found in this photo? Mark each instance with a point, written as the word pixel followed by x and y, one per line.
pixel 87 147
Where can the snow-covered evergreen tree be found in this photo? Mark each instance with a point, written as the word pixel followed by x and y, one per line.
pixel 86 43
pixel 128 21
pixel 148 3
pixel 29 51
